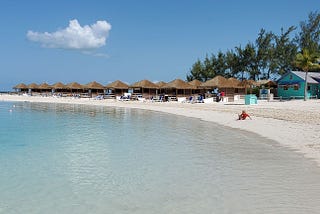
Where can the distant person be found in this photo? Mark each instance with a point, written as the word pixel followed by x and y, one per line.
pixel 222 94
pixel 218 98
pixel 244 115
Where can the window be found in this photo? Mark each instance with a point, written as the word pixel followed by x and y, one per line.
pixel 285 87
pixel 290 77
pixel 296 87
pixel 309 87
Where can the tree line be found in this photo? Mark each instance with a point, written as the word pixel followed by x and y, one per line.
pixel 268 57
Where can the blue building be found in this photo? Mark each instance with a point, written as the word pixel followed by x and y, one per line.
pixel 291 85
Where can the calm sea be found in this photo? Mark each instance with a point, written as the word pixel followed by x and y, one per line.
pixel 74 159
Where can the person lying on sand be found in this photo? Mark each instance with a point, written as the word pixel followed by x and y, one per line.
pixel 243 115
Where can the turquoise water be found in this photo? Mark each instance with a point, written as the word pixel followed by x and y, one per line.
pixel 79 159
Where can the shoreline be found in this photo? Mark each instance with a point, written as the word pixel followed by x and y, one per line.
pixel 294 124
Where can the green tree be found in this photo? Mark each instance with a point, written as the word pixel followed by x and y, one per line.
pixel 232 63
pixel 264 53
pixel 242 62
pixel 306 61
pixel 309 36
pixel 285 52
pixel 220 64
pixel 196 71
pixel 251 61
pixel 208 67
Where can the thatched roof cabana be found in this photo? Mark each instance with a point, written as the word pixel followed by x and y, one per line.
pixel 59 85
pixel 218 81
pixel 249 83
pixel 117 85
pixel 144 87
pixel 21 86
pixel 235 83
pixel 144 84
pixel 160 84
pixel 178 84
pixel 45 86
pixel 178 87
pixel 33 86
pixel 74 85
pixel 94 85
pixel 195 82
pixel 267 83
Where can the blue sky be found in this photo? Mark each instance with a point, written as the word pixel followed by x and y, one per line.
pixel 134 40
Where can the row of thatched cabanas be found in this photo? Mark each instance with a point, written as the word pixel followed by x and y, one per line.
pixel 176 87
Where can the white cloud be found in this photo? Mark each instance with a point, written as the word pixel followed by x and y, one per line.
pixel 74 36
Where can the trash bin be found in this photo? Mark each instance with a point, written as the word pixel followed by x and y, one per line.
pixel 250 99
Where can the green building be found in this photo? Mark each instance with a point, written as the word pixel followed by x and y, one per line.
pixel 291 85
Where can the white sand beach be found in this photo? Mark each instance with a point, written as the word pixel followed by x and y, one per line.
pixel 294 124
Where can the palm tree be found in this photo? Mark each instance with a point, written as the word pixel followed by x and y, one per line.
pixel 306 61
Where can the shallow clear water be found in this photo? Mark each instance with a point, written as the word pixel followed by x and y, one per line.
pixel 79 159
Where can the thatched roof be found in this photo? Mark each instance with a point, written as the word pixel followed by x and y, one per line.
pixel 248 83
pixel 74 85
pixel 21 86
pixel 144 84
pixel 268 83
pixel 117 85
pixel 218 81
pixel 178 84
pixel 160 84
pixel 33 86
pixel 195 82
pixel 93 85
pixel 59 85
pixel 45 86
pixel 235 83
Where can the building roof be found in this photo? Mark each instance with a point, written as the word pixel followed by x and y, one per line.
pixel 21 86
pixel 144 84
pixel 313 77
pixel 58 85
pixel 93 85
pixel 117 85
pixel 217 81
pixel 195 82
pixel 178 84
